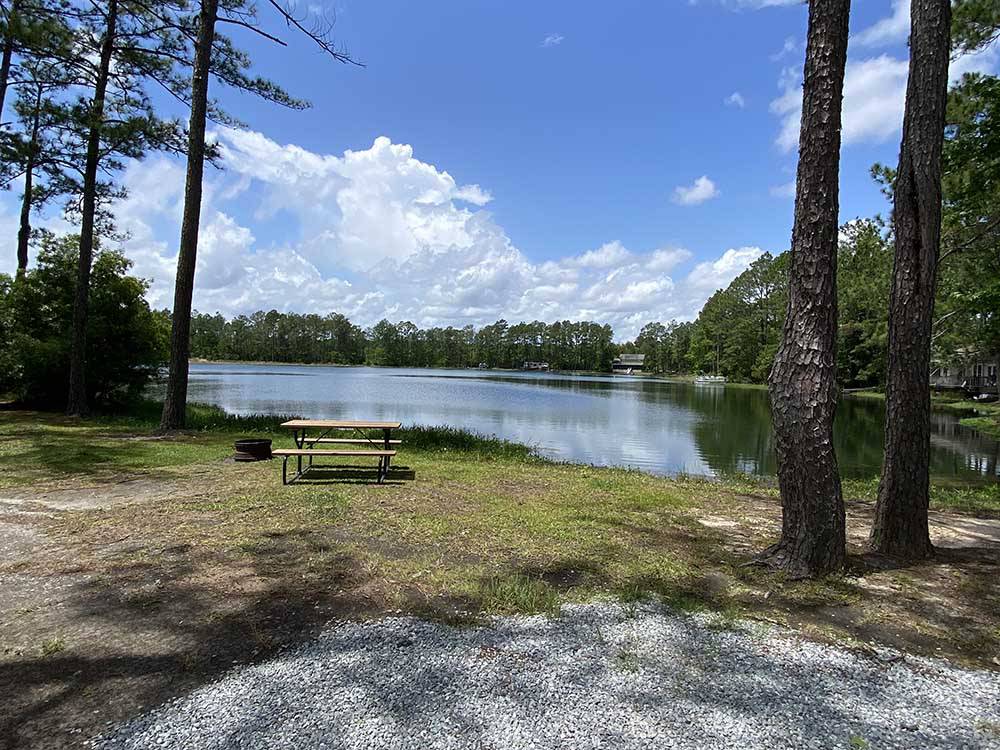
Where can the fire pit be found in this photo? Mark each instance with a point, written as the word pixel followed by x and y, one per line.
pixel 253 449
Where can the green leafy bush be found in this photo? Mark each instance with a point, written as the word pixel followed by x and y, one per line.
pixel 127 342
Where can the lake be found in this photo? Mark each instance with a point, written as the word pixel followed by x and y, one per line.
pixel 655 425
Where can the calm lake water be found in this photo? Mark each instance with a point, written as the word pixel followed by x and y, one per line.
pixel 659 426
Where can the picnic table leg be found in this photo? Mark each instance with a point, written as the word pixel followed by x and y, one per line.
pixel 284 470
pixel 388 434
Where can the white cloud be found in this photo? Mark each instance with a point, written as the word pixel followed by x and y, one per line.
pixel 874 96
pixel 874 90
pixel 701 190
pixel 708 276
pixel 607 255
pixel 378 233
pixel 787 190
pixel 552 40
pixel 666 258
pixel 789 47
pixel 735 99
pixel 891 29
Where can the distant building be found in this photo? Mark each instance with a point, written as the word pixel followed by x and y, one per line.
pixel 977 373
pixel 628 363
pixel 535 366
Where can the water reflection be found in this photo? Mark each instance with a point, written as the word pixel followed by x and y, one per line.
pixel 656 425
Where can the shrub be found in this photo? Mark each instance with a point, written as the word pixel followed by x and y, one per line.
pixel 126 341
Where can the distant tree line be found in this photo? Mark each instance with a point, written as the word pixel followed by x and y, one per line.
pixel 289 337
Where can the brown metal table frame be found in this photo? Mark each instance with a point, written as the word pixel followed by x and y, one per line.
pixel 302 441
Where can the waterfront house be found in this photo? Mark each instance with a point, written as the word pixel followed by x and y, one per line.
pixel 628 363
pixel 544 366
pixel 975 373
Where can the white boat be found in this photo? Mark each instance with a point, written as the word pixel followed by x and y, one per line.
pixel 710 380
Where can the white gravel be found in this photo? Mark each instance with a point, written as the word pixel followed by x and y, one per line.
pixel 598 676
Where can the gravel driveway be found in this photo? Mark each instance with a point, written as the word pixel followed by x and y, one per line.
pixel 598 676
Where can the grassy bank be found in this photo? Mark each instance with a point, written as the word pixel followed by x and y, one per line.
pixel 979 416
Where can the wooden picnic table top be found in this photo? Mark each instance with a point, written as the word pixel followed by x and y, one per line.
pixel 339 424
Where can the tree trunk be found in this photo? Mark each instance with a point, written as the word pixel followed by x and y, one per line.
pixel 175 404
pixel 24 231
pixel 8 52
pixel 802 383
pixel 900 526
pixel 76 403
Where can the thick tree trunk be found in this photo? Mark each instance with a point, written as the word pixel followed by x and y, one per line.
pixel 803 379
pixel 24 230
pixel 175 404
pixel 900 526
pixel 8 53
pixel 76 403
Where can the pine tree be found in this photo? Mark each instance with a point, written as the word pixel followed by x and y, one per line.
pixel 802 382
pixel 126 47
pixel 901 525
pixel 229 65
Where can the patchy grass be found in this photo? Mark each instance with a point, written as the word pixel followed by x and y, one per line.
pixel 975 499
pixel 518 594
pixel 51 647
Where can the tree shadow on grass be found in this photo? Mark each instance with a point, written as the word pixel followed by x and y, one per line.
pixel 145 632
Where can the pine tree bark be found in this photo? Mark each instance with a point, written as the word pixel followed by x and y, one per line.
pixel 76 402
pixel 802 382
pixel 24 230
pixel 175 404
pixel 8 52
pixel 900 527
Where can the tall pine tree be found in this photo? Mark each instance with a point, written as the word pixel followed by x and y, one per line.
pixel 803 379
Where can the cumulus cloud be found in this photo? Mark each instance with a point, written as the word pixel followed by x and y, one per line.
pixel 891 29
pixel 699 191
pixel 666 258
pixel 552 40
pixel 735 99
pixel 378 233
pixel 607 255
pixel 874 96
pixel 708 276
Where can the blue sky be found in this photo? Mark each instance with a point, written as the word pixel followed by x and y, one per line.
pixel 615 161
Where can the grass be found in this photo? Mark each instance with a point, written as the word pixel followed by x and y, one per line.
pixel 486 527
pixel 518 594
pixel 52 646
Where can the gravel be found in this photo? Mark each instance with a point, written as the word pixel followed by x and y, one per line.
pixel 597 676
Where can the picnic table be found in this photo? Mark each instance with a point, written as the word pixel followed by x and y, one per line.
pixel 308 433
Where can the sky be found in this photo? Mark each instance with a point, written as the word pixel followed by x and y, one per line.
pixel 615 162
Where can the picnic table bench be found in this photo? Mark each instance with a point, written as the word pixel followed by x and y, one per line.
pixel 305 443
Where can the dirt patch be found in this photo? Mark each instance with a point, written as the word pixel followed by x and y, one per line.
pixel 94 496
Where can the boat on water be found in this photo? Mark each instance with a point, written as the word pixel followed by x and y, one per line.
pixel 716 379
